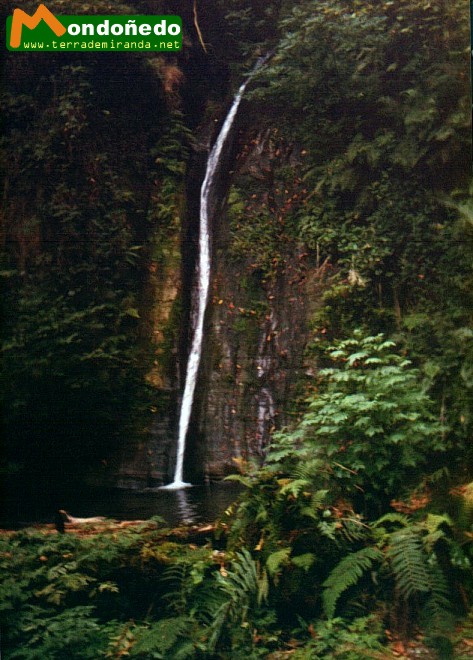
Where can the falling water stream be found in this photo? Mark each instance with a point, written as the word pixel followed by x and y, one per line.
pixel 203 284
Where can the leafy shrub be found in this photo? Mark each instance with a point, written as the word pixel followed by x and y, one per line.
pixel 357 640
pixel 370 421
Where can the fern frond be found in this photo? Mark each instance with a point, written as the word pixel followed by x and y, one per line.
pixel 208 601
pixel 437 611
pixel 241 479
pixel 317 502
pixel 163 637
pixel 304 561
pixel 309 469
pixel 177 577
pixel 436 526
pixel 353 530
pixel 277 559
pixel 346 574
pixel 294 487
pixel 241 583
pixel 217 625
pixel 241 588
pixel 396 518
pixel 408 563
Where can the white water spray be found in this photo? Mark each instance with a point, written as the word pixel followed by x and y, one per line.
pixel 203 284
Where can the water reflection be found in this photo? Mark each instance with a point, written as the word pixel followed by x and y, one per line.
pixel 199 504
pixel 184 506
pixel 187 510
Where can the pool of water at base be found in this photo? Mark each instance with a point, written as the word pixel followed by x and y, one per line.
pixel 194 505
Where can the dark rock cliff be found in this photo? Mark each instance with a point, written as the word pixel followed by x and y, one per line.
pixel 257 324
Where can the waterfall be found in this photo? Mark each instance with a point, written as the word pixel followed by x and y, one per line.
pixel 202 288
pixel 266 414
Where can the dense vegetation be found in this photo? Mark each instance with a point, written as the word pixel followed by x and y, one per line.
pixel 356 531
pixel 92 186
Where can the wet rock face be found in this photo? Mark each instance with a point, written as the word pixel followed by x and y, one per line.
pixel 263 291
pixel 257 316
pixel 148 463
pixel 146 459
pixel 255 366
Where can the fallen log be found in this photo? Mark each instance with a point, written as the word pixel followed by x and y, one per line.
pixel 80 521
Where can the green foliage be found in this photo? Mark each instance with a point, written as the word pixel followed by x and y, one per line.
pixel 381 88
pixel 373 405
pixel 346 574
pixel 78 592
pixel 242 590
pixel 262 212
pixel 135 592
pixel 75 632
pixel 356 177
pixel 408 563
pixel 370 420
pixel 277 559
pixel 167 638
pixel 248 26
pixel 336 638
pixel 412 558
pixel 383 121
pixel 93 185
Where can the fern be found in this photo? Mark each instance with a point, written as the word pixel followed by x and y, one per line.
pixel 241 479
pixel 243 588
pixel 220 617
pixel 305 561
pixel 208 602
pixel 408 563
pixel 436 526
pixel 341 532
pixel 165 639
pixel 351 530
pixel 74 633
pixel 437 611
pixel 346 574
pixel 240 583
pixel 308 469
pixel 392 517
pixel 177 576
pixel 294 487
pixel 277 559
pixel 317 501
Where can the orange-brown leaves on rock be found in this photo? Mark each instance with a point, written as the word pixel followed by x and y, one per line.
pixel 416 502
